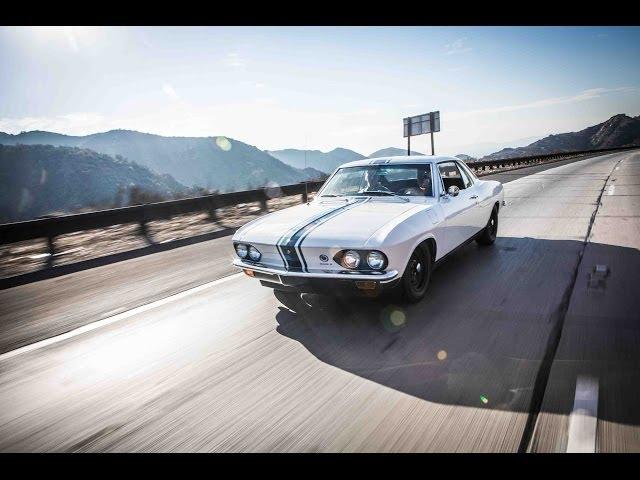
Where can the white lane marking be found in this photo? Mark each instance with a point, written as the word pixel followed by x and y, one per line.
pixel 584 417
pixel 115 318
pixel 612 189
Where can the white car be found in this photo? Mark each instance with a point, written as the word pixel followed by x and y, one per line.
pixel 375 224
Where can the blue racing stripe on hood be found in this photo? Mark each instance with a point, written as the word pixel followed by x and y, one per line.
pixel 287 245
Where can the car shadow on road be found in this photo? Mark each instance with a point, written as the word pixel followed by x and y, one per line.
pixel 488 324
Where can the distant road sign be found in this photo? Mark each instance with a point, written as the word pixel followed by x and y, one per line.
pixel 421 124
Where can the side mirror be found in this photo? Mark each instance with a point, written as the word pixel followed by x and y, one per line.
pixel 453 191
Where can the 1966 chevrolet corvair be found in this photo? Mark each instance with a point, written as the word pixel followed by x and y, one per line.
pixel 376 224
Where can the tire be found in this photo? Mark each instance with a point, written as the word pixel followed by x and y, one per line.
pixel 489 233
pixel 415 280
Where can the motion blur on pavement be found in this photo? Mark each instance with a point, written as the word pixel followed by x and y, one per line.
pixel 124 326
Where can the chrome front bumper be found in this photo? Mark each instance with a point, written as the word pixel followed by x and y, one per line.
pixel 383 277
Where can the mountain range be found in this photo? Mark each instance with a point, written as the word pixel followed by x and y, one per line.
pixel 619 131
pixel 392 152
pixel 327 162
pixel 324 161
pixel 43 172
pixel 215 163
pixel 37 180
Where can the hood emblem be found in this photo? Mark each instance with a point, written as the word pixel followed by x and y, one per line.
pixel 324 258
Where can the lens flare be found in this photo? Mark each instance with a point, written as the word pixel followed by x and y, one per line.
pixel 397 317
pixel 393 318
pixel 223 143
pixel 484 399
pixel 442 355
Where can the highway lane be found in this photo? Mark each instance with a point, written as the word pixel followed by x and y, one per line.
pixel 601 335
pixel 47 308
pixel 230 369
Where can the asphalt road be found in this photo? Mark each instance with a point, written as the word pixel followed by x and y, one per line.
pixel 487 362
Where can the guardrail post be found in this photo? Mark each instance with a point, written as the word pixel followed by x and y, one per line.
pixel 51 249
pixel 305 197
pixel 144 231
pixel 212 214
pixel 211 210
pixel 263 204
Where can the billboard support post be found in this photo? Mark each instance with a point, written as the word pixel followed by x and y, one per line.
pixel 421 124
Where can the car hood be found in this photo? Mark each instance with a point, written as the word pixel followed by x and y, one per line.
pixel 331 222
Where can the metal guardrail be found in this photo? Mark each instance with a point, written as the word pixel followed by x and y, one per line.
pixel 52 227
pixel 480 167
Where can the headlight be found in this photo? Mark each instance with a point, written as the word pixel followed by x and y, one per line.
pixel 375 260
pixel 351 259
pixel 241 250
pixel 254 254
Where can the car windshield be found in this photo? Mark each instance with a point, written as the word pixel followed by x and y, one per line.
pixel 383 180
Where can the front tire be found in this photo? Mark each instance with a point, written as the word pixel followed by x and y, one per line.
pixel 415 280
pixel 490 232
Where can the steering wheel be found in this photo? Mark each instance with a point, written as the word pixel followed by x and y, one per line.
pixel 382 183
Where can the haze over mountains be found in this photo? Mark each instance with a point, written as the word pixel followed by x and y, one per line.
pixel 37 180
pixel 97 170
pixel 325 162
pixel 619 131
pixel 216 163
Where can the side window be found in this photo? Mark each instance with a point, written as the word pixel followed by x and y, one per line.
pixel 469 172
pixel 451 175
pixel 465 177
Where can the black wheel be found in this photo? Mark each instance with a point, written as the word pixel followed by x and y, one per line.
pixel 415 280
pixel 488 236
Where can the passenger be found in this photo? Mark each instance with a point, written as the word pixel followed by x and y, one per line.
pixel 423 184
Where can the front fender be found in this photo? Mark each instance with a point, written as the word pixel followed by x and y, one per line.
pixel 398 241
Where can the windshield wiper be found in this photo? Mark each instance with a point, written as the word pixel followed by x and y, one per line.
pixel 331 195
pixel 384 192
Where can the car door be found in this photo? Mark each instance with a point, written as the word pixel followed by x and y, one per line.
pixel 477 193
pixel 461 216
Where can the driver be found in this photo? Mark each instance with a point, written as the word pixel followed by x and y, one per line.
pixel 423 183
pixel 375 181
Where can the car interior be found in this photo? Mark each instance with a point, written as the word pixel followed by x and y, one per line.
pixel 403 183
pixel 451 175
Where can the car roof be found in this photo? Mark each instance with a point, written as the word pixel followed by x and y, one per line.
pixel 404 159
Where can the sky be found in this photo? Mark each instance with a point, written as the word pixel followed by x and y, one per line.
pixel 320 87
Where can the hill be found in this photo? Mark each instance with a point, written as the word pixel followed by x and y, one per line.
pixel 324 162
pixel 218 163
pixel 392 152
pixel 37 180
pixel 466 158
pixel 619 131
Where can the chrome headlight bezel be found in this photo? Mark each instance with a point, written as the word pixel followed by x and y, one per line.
pixel 381 260
pixel 242 250
pixel 363 263
pixel 254 254
pixel 353 254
